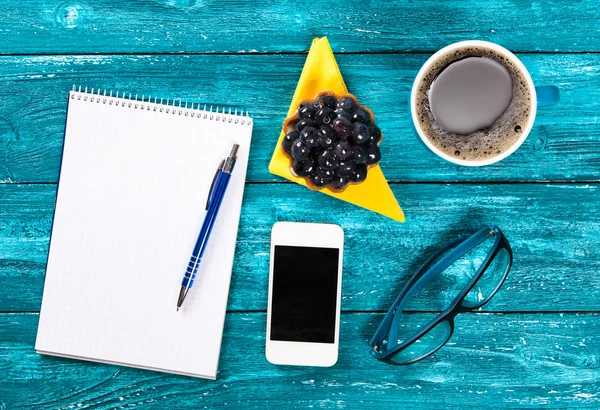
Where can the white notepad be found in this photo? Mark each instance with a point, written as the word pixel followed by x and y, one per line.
pixel 131 197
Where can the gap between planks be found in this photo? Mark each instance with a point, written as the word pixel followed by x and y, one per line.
pixel 516 182
pixel 381 312
pixel 271 53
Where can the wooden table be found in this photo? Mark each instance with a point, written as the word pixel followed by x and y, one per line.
pixel 536 343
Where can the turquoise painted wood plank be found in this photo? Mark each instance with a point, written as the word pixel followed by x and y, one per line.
pixel 493 361
pixel 564 145
pixel 554 231
pixel 104 26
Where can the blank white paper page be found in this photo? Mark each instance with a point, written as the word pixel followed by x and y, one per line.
pixel 131 197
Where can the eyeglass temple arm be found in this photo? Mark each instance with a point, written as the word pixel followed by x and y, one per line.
pixel 431 273
pixel 406 293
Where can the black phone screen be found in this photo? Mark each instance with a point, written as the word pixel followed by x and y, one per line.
pixel 304 302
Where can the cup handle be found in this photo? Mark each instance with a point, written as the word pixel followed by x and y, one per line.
pixel 547 95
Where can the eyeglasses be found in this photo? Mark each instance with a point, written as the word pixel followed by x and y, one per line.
pixel 460 278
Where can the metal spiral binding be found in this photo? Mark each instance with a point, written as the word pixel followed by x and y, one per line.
pixel 159 105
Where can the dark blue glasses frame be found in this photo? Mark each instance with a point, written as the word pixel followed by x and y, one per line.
pixel 433 267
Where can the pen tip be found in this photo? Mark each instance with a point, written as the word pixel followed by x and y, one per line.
pixel 178 308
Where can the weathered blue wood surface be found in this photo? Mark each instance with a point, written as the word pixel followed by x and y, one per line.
pixel 494 360
pixel 537 343
pixel 564 145
pixel 555 256
pixel 175 26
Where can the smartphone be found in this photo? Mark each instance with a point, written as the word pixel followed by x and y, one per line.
pixel 305 286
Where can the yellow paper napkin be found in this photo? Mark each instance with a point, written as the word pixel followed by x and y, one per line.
pixel 321 73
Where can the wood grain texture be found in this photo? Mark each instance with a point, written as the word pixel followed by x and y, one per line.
pixel 104 26
pixel 554 231
pixel 544 351
pixel 564 144
pixel 492 361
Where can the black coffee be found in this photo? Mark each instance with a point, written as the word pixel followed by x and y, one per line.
pixel 473 103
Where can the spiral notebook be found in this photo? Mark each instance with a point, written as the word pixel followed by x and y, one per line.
pixel 131 195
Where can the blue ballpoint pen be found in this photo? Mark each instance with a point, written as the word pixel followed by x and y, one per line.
pixel 213 203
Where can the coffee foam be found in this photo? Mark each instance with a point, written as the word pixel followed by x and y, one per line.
pixel 486 143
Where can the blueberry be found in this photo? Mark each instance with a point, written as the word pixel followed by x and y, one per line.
pixel 327 101
pixel 324 116
pixel 361 115
pixel 374 155
pixel 343 113
pixel 360 154
pixel 343 150
pixel 328 160
pixel 359 174
pixel 310 137
pixel 342 127
pixel 306 110
pixel 304 168
pixel 334 142
pixel 345 168
pixel 327 137
pixel 360 133
pixel 303 123
pixel 318 181
pixel 325 173
pixel 347 104
pixel 374 134
pixel 288 140
pixel 299 150
pixel 339 182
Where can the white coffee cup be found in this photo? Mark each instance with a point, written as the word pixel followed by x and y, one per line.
pixel 540 96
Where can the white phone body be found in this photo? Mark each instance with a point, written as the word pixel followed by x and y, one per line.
pixel 302 243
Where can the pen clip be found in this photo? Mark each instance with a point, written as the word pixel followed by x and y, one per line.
pixel 212 184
